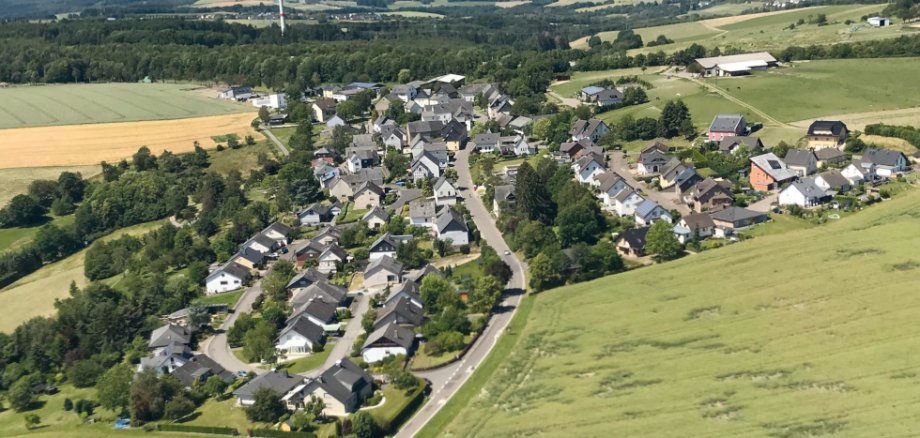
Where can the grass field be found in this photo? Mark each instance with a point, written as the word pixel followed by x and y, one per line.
pixel 767 31
pixel 750 340
pixel 16 181
pixel 15 237
pixel 314 360
pixel 34 294
pixel 54 105
pixel 820 88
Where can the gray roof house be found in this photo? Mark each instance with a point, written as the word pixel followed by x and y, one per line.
pixel 279 382
pixel 343 386
pixel 402 312
pixel 724 125
pixel 802 161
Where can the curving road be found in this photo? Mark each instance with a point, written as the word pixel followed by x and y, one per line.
pixel 446 381
pixel 217 348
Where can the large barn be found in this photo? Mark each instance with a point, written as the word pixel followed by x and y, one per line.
pixel 735 65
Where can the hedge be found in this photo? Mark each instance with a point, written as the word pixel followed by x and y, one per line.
pixel 391 425
pixel 908 133
pixel 197 429
pixel 269 433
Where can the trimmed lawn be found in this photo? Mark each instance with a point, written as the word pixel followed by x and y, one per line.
pixel 308 363
pixel 397 401
pixel 779 223
pixel 582 79
pixel 222 413
pixel 805 333
pixel 55 421
pixel 422 360
pixel 15 237
pixel 228 298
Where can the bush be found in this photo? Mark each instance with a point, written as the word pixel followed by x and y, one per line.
pixel 68 405
pixel 198 429
pixel 178 407
pixel 268 433
pixel 84 373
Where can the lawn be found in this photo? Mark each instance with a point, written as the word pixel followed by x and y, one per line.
pixel 228 298
pixel 820 88
pixel 805 333
pixel 397 401
pixel 581 79
pixel 423 360
pixel 778 224
pixel 16 237
pixel 79 104
pixel 34 294
pixel 242 159
pixel 308 363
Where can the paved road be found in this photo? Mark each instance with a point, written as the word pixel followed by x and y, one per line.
pixel 342 347
pixel 271 136
pixel 667 199
pixel 446 381
pixel 764 205
pixel 217 348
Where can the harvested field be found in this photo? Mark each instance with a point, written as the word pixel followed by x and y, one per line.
pixel 907 116
pixel 89 144
pixel 717 23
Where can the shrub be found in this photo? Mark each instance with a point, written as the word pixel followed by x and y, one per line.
pixel 197 429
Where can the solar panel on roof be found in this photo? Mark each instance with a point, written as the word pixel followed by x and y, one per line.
pixel 774 164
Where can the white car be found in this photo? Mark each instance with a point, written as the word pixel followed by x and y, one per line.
pixel 507 252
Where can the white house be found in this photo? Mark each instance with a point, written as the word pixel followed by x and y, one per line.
pixel 887 162
pixel 229 277
pixel 273 101
pixel 425 167
pixel 858 173
pixel 389 340
pixel 649 212
pixel 588 167
pixel 445 193
pixel 376 218
pixel 626 202
pixel 610 184
pixel 382 272
pixel 449 225
pixel 299 338
pixel 331 259
pixel 804 193
pixel 422 212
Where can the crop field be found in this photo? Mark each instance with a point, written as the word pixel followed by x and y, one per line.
pixel 89 144
pixel 747 340
pixel 822 88
pixel 54 105
pixel 34 294
pixel 769 31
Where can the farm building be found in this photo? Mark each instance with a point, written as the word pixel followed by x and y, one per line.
pixel 235 93
pixel 879 21
pixel 735 65
pixel 273 101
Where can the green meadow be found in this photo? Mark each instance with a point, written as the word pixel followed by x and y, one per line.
pixel 807 333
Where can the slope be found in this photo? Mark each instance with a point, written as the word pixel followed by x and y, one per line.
pixel 807 333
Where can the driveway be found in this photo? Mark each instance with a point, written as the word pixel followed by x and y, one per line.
pixel 446 381
pixel 764 205
pixel 342 347
pixel 667 199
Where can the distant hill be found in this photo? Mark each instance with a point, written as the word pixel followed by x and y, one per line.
pixel 47 8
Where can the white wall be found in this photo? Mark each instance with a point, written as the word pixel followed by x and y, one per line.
pixel 376 354
pixel 223 283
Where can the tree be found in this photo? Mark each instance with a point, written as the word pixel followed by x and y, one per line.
pixel 143 159
pixel 405 75
pixel 68 404
pixel 146 400
pixel 305 191
pixel 579 222
pixel 215 386
pixel 315 406
pixel 20 395
pixel 543 275
pixel 606 252
pixel 84 373
pixel 32 420
pixel 22 210
pixel 266 408
pixel 44 191
pixel 198 315
pixel 533 200
pixel 437 293
pixel 661 241
pixel 364 426
pixel 62 206
pixel 264 114
pixel 673 118
pixel 486 292
pixel 259 342
pixel 178 407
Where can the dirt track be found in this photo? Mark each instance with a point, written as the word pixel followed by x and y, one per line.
pixel 89 144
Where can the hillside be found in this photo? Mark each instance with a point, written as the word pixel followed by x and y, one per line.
pixel 807 333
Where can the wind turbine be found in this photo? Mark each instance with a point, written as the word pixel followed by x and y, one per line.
pixel 281 15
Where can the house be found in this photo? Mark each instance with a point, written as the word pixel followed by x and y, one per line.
pixel 469 92
pixel 437 151
pixel 503 195
pixel 425 271
pixel 318 311
pixel 168 334
pixel 592 129
pixel 515 145
pixel 376 218
pixel 699 225
pixel 331 259
pixel 727 125
pixel 652 161
pixel 826 134
pixel 405 92
pixel 236 93
pixel 277 119
pixel 833 180
pixel 392 137
pixel 710 195
pixel 732 218
pixel 362 158
pixel 408 290
pixel 343 388
pixel 486 143
pixel 608 97
pixel 278 232
pixel 425 128
pixel 803 162
pixel 198 369
pixel 328 236
pixel 675 172
pixel 403 312
pixel 804 193
pixel 389 340
pixel 879 21
pixel 499 106
pixel 317 214
pixel 858 173
pixel 768 172
pixel 279 382
pixel 381 272
pixel 425 166
pixel 166 359
pixel 422 212
pixel 734 65
pixel 385 245
pixel 273 101
pixel 626 202
pixel 343 188
pixel 368 195
pixel 321 289
pixel 383 104
pixel 520 123
pixel 300 338
pixel 450 226
pixel 631 243
pixel 454 109
pixel 230 276
pixel 589 93
pixel 323 110
pixel 572 148
pixel 445 192
pixel 609 185
pixel 588 167
pixel 334 122
pixel 249 258
pixel 734 144
pixel 648 212
pixel 454 135
pixel 887 162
